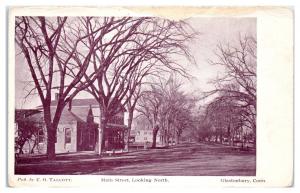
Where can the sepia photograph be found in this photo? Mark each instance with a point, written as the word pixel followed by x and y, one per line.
pixel 166 96
pixel 135 96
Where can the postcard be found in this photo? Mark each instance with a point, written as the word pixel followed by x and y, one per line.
pixel 156 96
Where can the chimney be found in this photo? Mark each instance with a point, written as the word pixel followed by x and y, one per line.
pixel 56 96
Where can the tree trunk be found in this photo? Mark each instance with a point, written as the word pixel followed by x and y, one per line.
pixel 100 135
pixel 177 138
pixel 254 140
pixel 34 145
pixel 21 148
pixel 130 118
pixel 166 134
pixel 51 130
pixel 167 138
pixel 232 138
pixel 155 131
pixel 102 125
pixel 51 142
pixel 221 138
pixel 174 136
pixel 164 139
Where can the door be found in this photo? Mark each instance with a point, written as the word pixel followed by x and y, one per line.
pixel 86 138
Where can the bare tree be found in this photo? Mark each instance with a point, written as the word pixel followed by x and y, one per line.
pixel 27 132
pixel 177 110
pixel 237 86
pixel 130 50
pixel 149 106
pixel 225 118
pixel 131 105
pixel 49 46
pixel 168 109
pixel 202 129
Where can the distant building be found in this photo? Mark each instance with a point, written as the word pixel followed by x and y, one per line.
pixel 143 136
pixel 78 128
pixel 143 133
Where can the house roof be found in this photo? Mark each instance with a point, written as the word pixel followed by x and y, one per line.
pixel 69 116
pixel 38 117
pixel 66 116
pixel 23 113
pixel 78 112
pixel 80 103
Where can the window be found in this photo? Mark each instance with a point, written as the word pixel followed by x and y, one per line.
pixel 67 135
pixel 80 137
pixel 145 138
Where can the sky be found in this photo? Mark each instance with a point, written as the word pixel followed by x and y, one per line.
pixel 212 32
